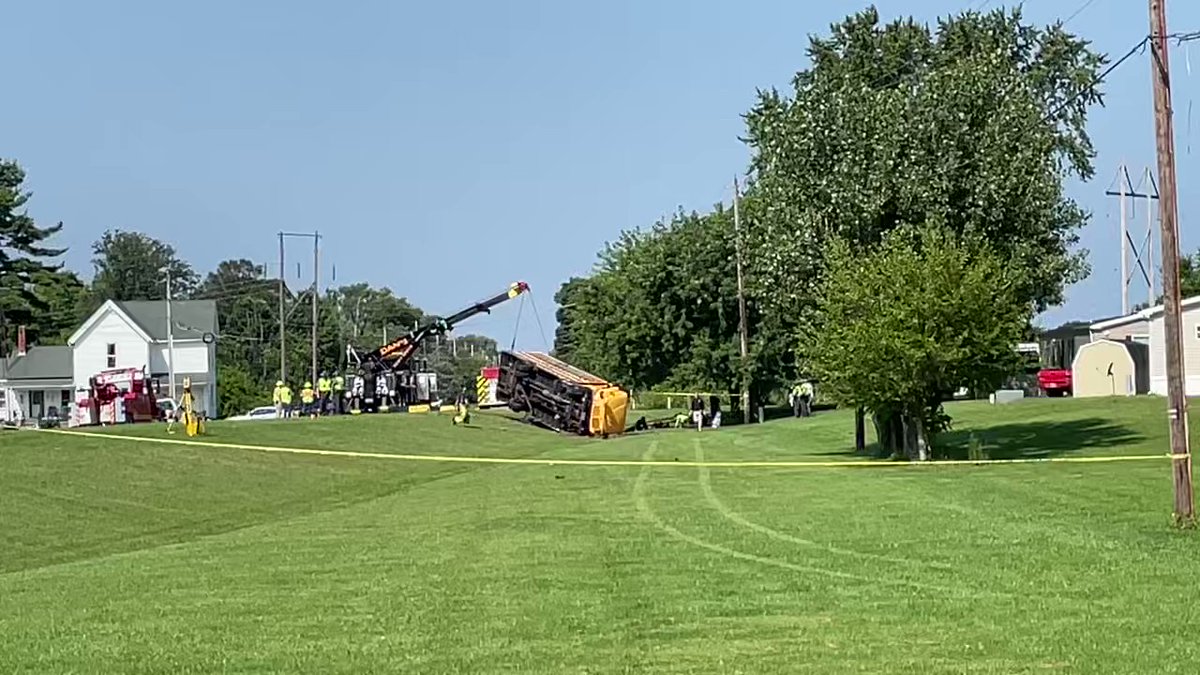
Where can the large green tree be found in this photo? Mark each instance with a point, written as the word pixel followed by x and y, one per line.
pixel 903 324
pixel 974 123
pixel 660 310
pixel 134 266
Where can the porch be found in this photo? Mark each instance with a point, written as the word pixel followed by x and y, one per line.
pixel 27 402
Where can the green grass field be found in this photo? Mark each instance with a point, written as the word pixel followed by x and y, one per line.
pixel 127 557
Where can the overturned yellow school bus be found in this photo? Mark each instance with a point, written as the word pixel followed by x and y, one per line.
pixel 558 396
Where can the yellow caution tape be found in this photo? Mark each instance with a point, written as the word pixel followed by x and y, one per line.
pixel 761 464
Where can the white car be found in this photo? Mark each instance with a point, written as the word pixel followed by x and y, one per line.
pixel 263 412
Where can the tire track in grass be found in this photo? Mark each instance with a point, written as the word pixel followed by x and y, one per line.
pixel 647 513
pixel 704 477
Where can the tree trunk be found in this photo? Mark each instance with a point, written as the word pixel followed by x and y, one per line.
pixel 909 430
pixel 921 439
pixel 860 430
pixel 889 429
pixel 883 433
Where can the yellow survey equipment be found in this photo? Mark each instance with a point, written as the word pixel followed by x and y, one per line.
pixel 556 395
pixel 192 423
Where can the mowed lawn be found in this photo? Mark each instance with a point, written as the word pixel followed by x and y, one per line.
pixel 119 556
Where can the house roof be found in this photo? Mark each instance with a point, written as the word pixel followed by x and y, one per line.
pixel 191 319
pixel 39 363
pixel 1142 315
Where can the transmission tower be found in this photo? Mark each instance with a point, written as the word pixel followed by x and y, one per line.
pixel 1137 257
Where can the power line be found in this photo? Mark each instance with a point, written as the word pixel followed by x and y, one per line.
pixel 1077 12
pixel 1181 38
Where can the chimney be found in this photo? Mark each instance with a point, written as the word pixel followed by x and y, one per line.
pixel 20 340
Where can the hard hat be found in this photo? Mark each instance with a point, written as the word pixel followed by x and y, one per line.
pixel 278 383
pixel 308 384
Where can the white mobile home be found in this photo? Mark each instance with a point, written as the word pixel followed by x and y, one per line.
pixel 1146 326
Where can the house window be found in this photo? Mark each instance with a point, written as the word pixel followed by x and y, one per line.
pixel 112 355
pixel 65 399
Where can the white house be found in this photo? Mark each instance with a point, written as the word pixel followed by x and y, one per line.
pixel 117 335
pixel 1147 326
pixel 134 335
pixel 33 382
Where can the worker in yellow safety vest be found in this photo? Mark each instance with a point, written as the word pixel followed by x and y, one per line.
pixel 193 422
pixel 307 400
pixel 339 394
pixel 277 399
pixel 285 399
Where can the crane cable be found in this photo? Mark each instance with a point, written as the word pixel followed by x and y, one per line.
pixel 536 317
pixel 517 324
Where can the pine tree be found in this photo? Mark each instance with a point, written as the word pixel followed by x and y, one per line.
pixel 24 254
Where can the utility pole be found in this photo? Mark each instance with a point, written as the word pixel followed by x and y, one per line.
pixel 316 287
pixel 743 331
pixel 1181 457
pixel 282 318
pixel 170 339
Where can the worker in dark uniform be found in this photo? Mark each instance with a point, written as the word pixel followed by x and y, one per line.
pixel 698 412
pixel 806 398
pixel 339 394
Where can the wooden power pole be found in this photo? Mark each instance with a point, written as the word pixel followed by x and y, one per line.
pixel 316 292
pixel 743 330
pixel 282 318
pixel 1172 303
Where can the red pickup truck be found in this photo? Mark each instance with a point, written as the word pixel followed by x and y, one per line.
pixel 1055 381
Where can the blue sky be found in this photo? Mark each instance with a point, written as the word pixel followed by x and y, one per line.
pixel 438 145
